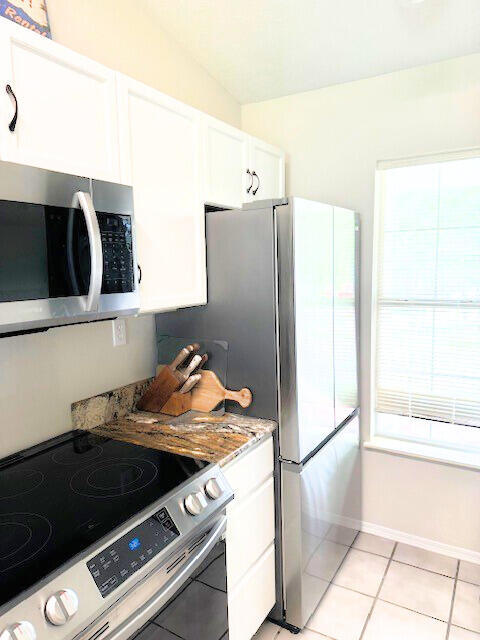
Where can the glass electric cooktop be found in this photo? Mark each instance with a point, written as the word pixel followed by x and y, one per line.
pixel 60 497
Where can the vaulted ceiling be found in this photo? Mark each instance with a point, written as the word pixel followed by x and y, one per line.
pixel 261 49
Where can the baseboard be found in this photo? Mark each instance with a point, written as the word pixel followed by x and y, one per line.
pixel 424 543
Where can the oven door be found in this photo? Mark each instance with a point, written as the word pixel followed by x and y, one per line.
pixel 192 605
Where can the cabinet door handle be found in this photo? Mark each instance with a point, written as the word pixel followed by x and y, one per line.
pixel 13 122
pixel 249 173
pixel 139 273
pixel 254 175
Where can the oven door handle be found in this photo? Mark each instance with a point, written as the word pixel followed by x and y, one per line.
pixel 83 200
pixel 143 614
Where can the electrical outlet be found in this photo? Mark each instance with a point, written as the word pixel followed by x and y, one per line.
pixel 119 330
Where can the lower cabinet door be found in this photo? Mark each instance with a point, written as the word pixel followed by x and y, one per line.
pixel 250 530
pixel 249 471
pixel 251 600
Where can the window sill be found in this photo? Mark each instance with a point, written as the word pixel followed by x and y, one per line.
pixel 431 453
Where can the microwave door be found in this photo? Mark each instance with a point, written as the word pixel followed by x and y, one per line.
pixel 24 269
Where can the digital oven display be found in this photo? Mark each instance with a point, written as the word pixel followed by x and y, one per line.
pixel 134 544
pixel 131 552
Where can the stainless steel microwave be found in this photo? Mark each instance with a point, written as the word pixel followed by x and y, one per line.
pixel 67 249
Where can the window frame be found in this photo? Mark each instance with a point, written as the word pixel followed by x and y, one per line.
pixel 411 447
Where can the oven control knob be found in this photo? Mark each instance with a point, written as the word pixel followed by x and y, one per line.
pixel 19 631
pixel 195 503
pixel 62 606
pixel 213 489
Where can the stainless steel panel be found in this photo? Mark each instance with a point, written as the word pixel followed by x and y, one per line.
pixel 305 267
pixel 264 204
pixel 344 323
pixel 321 512
pixel 20 183
pixel 241 305
pixel 28 314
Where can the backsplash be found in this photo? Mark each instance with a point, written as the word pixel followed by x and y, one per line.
pixel 108 406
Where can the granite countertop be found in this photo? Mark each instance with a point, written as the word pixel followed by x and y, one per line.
pixel 112 414
pixel 218 442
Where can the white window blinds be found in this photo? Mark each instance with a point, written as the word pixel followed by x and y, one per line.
pixel 428 299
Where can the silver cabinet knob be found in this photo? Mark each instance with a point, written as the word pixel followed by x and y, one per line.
pixel 19 631
pixel 62 606
pixel 213 489
pixel 195 503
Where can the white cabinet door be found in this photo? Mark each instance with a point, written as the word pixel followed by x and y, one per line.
pixel 226 162
pixel 160 142
pixel 251 600
pixel 250 566
pixel 267 164
pixel 258 508
pixel 67 108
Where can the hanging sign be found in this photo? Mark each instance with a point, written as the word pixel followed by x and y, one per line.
pixel 31 14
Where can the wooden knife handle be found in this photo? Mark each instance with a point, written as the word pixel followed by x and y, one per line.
pixel 183 355
pixel 243 397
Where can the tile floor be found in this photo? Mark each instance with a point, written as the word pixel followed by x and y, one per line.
pixel 385 590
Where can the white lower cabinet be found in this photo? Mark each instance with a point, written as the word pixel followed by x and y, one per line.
pixel 250 541
pixel 251 529
pixel 252 599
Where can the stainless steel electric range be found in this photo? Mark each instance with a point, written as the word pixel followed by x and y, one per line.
pixel 106 540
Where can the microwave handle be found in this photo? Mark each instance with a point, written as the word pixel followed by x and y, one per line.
pixel 84 200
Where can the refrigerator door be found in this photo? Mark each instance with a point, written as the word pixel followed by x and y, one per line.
pixel 305 299
pixel 321 510
pixel 345 272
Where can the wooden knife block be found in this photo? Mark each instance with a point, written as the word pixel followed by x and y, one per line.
pixel 177 404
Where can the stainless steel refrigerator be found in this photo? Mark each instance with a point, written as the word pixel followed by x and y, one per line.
pixel 283 292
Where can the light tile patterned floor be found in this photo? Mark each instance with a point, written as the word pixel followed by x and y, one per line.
pixel 385 590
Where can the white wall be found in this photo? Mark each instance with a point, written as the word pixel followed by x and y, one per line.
pixel 42 374
pixel 333 138
pixel 124 35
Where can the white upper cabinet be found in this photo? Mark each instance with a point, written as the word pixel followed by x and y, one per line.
pixel 267 164
pixel 161 156
pixel 67 109
pixel 238 167
pixel 226 161
pixel 62 111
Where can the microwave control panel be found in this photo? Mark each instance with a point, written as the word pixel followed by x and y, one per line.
pixel 132 551
pixel 118 268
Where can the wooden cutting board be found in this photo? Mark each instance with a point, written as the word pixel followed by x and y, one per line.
pixel 209 392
